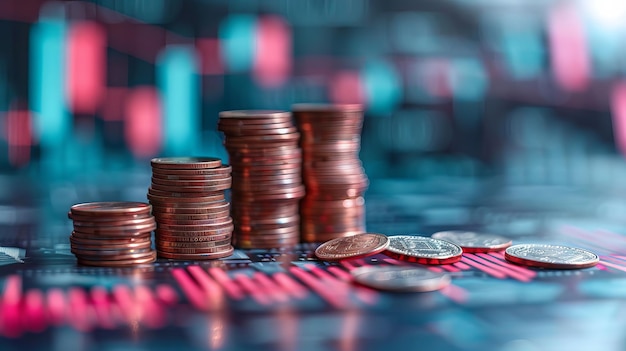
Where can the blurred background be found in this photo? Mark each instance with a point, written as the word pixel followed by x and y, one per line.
pixel 456 92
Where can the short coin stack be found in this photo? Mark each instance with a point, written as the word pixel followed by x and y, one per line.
pixel 112 234
pixel 333 174
pixel 267 179
pixel 187 196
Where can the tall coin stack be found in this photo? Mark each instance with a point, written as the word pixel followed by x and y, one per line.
pixel 192 214
pixel 267 179
pixel 112 234
pixel 332 171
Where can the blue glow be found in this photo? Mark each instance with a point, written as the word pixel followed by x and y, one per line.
pixel 382 87
pixel 179 83
pixel 469 79
pixel 523 52
pixel 237 38
pixel 52 124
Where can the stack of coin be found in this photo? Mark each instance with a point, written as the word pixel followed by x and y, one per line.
pixel 267 179
pixel 332 171
pixel 112 234
pixel 192 214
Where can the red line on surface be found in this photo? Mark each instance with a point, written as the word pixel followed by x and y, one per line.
pixel 167 294
pixel 501 261
pixel 488 270
pixel 102 307
pixel 193 292
pixel 511 273
pixel 612 265
pixel 11 300
pixel 34 313
pixel 450 268
pixel 319 288
pixel 152 313
pixel 270 288
pixel 252 289
pixel 462 266
pixel 344 287
pixel 231 288
pixel 211 288
pixel 79 313
pixel 290 285
pixel 56 302
pixel 455 293
pixel 125 300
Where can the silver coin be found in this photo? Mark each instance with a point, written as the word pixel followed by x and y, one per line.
pixel 400 279
pixel 551 256
pixel 474 242
pixel 423 250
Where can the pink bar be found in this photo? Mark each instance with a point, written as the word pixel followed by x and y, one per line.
pixel 340 273
pixel 252 289
pixel 291 286
pixel 485 269
pixel 231 288
pixel 601 267
pixel 455 293
pixel 56 306
pixel 192 291
pixel 167 294
pixel 505 270
pixel 79 316
pixel 613 260
pixel 210 287
pixel 462 266
pixel 126 302
pixel 449 268
pixel 394 261
pixel 102 306
pixel 270 288
pixel 322 290
pixel 11 299
pixel 364 294
pixel 153 314
pixel 34 314
pixel 519 269
pixel 349 266
pixel 612 265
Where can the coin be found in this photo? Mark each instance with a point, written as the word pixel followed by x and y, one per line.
pixel 551 256
pixel 400 279
pixel 185 162
pixel 110 208
pixel 360 245
pixel 474 242
pixel 205 256
pixel 423 250
pixel 118 263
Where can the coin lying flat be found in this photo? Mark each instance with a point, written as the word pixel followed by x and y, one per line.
pixel 551 256
pixel 400 279
pixel 474 242
pixel 355 246
pixel 423 250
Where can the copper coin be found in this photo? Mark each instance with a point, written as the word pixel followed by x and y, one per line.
pixel 174 191
pixel 321 237
pixel 325 108
pixel 198 228
pixel 118 223
pixel 141 235
pixel 237 132
pixel 191 183
pixel 268 197
pixel 129 230
pixel 99 244
pixel 189 239
pixel 217 197
pixel 117 257
pixel 192 217
pixel 118 263
pixel 99 241
pixel 191 245
pixel 345 203
pixel 107 253
pixel 474 242
pixel 356 246
pixel 194 251
pixel 551 256
pixel 194 257
pixel 220 171
pixel 218 220
pixel 208 211
pixel 193 234
pixel 257 221
pixel 104 219
pixel 110 208
pixel 264 116
pixel 185 162
pixel 423 250
pixel 235 126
